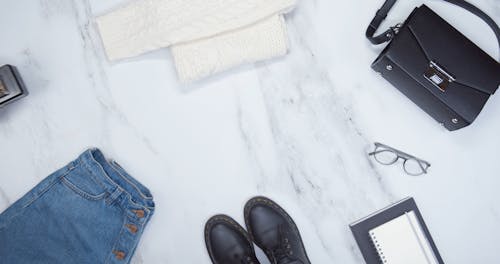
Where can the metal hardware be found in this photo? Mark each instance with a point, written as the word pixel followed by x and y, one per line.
pixel 3 89
pixel 438 76
pixel 393 31
pixel 397 28
pixel 454 120
pixel 11 85
pixel 389 67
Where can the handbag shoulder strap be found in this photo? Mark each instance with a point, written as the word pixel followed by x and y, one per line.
pixel 391 32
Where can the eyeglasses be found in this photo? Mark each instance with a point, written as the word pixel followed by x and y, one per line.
pixel 412 165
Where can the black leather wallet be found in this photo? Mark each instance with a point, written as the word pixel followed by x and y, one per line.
pixel 436 66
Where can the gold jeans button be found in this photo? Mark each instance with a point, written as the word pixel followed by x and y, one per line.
pixel 119 254
pixel 132 228
pixel 139 213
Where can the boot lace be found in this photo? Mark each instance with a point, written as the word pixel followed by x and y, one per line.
pixel 283 253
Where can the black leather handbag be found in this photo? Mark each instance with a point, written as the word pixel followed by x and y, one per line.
pixel 435 66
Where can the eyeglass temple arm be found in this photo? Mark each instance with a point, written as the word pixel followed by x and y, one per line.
pixel 424 162
pixel 380 151
pixel 400 154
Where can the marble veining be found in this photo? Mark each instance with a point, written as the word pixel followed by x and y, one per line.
pixel 297 129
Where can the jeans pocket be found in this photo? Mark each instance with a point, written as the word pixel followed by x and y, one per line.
pixel 84 185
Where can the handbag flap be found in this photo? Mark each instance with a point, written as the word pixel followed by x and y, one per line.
pixel 450 50
pixel 469 79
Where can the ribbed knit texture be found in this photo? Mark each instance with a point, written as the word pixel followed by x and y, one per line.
pixel 147 25
pixel 198 59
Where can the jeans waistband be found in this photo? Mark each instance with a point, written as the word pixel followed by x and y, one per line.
pixel 114 177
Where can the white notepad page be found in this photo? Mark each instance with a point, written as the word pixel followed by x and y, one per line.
pixel 402 241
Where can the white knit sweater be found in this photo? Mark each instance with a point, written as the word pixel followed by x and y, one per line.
pixel 147 25
pixel 201 58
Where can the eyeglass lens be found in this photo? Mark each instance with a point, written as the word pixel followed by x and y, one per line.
pixel 385 156
pixel 411 166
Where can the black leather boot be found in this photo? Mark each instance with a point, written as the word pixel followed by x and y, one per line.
pixel 227 242
pixel 274 231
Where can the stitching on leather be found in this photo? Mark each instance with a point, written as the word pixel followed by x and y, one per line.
pixel 226 220
pixel 273 205
pixel 265 201
pixel 232 223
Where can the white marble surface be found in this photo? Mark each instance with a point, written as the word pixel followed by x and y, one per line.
pixel 296 129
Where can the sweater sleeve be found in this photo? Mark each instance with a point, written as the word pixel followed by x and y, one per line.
pixel 201 58
pixel 146 25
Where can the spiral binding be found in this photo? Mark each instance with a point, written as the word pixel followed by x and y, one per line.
pixel 378 248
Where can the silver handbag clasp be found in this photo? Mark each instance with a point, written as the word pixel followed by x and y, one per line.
pixel 438 76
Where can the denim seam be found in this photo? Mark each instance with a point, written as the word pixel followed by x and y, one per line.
pixel 126 208
pixel 43 191
pixel 139 205
pixel 38 195
pixel 104 174
pixel 117 169
pixel 124 219
pixel 136 239
pixel 104 171
pixel 87 167
pixel 80 192
pixel 112 201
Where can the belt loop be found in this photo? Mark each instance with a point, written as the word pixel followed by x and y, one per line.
pixel 116 193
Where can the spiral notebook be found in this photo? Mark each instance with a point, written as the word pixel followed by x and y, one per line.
pixel 396 234
pixel 402 240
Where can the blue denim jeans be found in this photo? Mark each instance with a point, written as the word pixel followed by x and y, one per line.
pixel 90 211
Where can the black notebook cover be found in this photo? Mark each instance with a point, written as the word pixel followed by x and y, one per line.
pixel 361 228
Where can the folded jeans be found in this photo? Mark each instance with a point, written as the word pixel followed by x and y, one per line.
pixel 90 211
